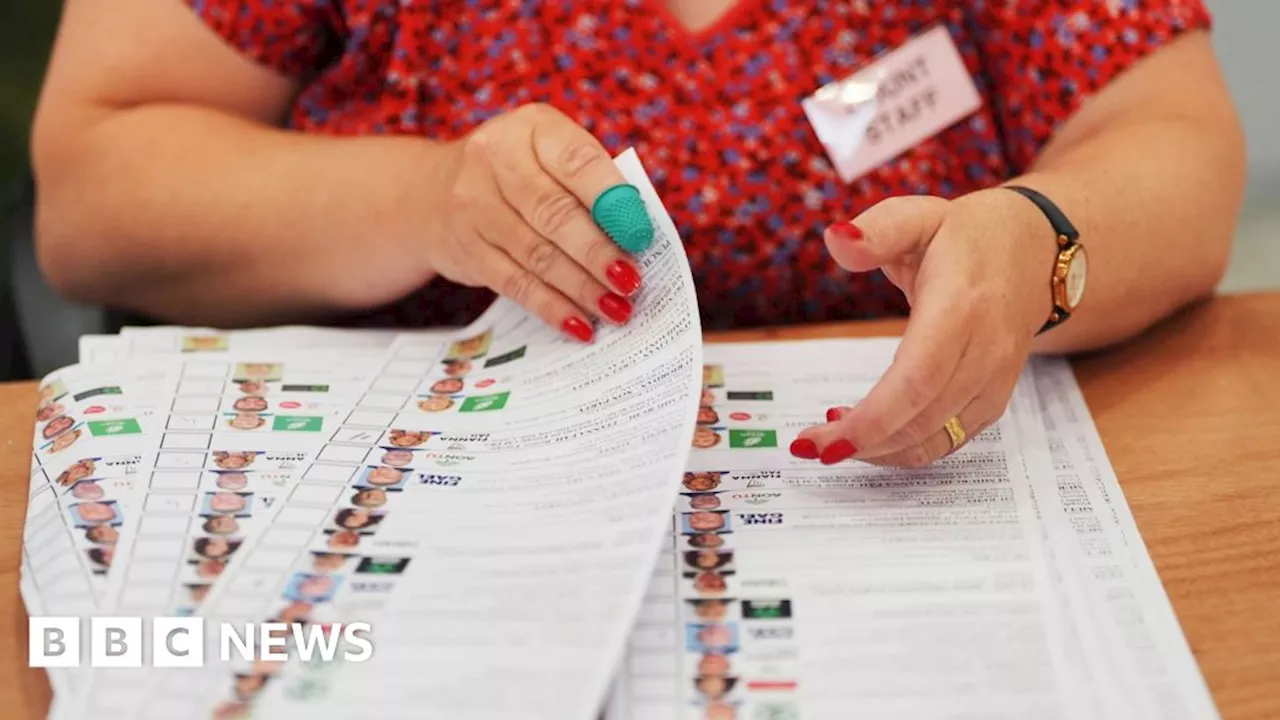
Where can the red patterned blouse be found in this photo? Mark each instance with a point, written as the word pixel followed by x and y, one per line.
pixel 715 115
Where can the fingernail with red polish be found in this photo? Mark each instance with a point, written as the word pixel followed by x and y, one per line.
pixel 834 414
pixel 804 449
pixel 846 231
pixel 623 276
pixel 835 452
pixel 616 308
pixel 578 328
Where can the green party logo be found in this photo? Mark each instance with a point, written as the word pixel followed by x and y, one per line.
pixel 297 423
pixel 485 403
pixel 753 438
pixel 124 426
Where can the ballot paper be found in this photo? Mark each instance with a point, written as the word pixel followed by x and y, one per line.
pixel 492 473
pixel 527 527
pixel 773 600
pixel 849 591
pixel 169 461
pixel 1149 659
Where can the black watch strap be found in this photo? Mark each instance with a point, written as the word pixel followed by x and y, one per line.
pixel 1067 237
pixel 1057 219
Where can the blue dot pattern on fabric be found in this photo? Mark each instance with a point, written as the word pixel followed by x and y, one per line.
pixel 714 115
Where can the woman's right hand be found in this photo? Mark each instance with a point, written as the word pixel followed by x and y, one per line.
pixel 519 221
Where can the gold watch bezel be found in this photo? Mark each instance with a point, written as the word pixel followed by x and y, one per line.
pixel 1061 267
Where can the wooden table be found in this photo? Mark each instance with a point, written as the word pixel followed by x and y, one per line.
pixel 1190 415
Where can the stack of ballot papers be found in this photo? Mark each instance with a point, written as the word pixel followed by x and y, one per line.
pixel 497 522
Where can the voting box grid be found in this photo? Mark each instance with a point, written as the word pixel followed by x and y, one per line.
pixel 50 560
pixel 176 510
pixel 91 487
pixel 204 501
pixel 309 543
pixel 201 502
pixel 87 487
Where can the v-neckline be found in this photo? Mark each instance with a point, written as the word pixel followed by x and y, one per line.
pixel 726 19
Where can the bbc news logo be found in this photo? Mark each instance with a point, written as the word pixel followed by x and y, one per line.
pixel 180 642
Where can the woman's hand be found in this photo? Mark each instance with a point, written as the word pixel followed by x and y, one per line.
pixel 519 220
pixel 976 272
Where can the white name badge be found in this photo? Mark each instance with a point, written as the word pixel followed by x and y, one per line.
pixel 906 96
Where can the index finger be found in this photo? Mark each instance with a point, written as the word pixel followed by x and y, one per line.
pixel 580 163
pixel 926 360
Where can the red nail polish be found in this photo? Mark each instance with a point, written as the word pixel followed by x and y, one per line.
pixel 804 448
pixel 846 231
pixel 578 328
pixel 616 308
pixel 834 414
pixel 623 276
pixel 837 451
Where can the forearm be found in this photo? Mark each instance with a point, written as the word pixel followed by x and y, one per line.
pixel 1155 202
pixel 196 216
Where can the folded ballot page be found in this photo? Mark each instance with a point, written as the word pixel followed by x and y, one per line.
pixel 490 521
pixel 150 471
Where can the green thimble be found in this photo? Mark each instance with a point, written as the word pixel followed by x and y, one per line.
pixel 620 212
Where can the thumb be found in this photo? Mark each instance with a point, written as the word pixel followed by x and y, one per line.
pixel 887 231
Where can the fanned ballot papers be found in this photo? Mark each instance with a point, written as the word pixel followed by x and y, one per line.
pixel 496 522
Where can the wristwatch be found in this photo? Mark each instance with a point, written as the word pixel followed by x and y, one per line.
pixel 1070 268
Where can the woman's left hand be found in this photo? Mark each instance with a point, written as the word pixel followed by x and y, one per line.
pixel 976 273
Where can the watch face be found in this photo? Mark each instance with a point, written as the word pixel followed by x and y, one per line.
pixel 1077 272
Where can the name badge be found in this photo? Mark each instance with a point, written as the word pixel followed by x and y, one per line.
pixel 906 96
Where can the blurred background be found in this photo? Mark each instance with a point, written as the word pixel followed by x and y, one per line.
pixel 26 32
pixel 45 339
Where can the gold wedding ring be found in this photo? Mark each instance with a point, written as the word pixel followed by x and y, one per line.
pixel 956 431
